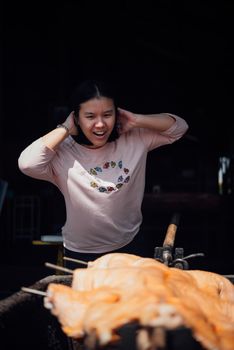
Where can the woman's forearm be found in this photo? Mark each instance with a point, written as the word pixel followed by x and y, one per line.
pixel 53 139
pixel 160 122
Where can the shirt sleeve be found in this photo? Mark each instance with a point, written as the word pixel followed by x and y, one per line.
pixel 36 161
pixel 153 139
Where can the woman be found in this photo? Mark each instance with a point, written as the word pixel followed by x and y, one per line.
pixel 97 159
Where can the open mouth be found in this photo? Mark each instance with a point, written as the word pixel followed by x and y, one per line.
pixel 99 133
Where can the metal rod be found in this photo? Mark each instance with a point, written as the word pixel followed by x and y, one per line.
pixel 57 267
pixel 76 260
pixel 33 291
pixel 193 255
pixel 229 276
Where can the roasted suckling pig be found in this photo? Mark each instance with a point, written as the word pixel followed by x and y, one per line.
pixel 118 289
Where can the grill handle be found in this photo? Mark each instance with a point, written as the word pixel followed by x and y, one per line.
pixel 171 231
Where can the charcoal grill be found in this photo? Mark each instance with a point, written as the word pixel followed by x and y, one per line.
pixel 26 325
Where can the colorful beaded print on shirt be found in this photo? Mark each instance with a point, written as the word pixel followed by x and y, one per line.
pixel 120 181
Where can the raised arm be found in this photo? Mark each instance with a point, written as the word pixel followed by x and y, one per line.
pixel 35 160
pixel 158 122
pixel 53 139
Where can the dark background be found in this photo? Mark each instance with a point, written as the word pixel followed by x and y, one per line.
pixel 163 56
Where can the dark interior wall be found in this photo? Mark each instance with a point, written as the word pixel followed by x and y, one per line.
pixel 163 56
pixel 168 56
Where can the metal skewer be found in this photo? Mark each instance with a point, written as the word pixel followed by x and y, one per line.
pixel 193 255
pixel 57 267
pixel 76 260
pixel 33 291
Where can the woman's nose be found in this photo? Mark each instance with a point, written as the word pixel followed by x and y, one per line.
pixel 99 122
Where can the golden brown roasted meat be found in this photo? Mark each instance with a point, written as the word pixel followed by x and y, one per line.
pixel 70 306
pixel 117 289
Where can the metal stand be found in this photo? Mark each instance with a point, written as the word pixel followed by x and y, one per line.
pixel 167 254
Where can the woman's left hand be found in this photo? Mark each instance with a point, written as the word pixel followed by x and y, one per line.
pixel 126 120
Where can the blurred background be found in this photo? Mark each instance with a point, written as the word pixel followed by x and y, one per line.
pixel 163 56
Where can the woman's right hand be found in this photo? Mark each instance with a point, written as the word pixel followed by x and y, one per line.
pixel 70 124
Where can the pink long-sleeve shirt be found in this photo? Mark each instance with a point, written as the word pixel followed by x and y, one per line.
pixel 103 188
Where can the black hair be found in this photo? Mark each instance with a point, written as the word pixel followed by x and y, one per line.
pixel 86 91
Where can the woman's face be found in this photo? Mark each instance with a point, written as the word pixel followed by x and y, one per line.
pixel 97 120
